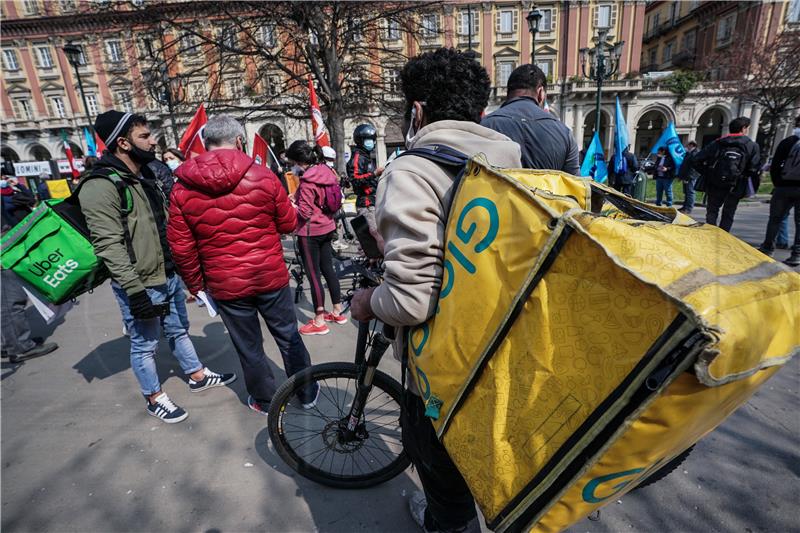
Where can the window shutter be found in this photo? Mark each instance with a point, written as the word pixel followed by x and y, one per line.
pixel 497 18
pixel 613 23
pixel 595 15
pixel 515 24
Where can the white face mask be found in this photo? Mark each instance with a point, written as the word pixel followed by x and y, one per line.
pixel 412 128
pixel 173 164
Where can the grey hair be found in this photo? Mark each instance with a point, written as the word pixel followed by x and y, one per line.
pixel 221 130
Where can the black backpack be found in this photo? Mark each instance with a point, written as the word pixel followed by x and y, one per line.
pixel 728 167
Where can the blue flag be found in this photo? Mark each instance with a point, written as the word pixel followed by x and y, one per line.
pixel 671 140
pixel 91 147
pixel 620 140
pixel 594 163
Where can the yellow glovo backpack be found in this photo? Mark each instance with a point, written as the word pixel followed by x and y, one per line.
pixel 583 339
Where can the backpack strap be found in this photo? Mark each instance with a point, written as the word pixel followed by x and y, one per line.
pixel 125 198
pixel 440 154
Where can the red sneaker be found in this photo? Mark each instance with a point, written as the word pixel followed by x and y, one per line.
pixel 339 319
pixel 313 329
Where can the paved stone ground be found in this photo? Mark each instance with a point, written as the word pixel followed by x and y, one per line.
pixel 80 454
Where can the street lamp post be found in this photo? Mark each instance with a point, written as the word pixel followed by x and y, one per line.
pixel 603 62
pixel 533 18
pixel 73 54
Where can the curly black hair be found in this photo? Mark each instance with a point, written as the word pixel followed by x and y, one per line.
pixel 453 85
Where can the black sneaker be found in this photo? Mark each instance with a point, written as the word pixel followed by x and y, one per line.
pixel 36 351
pixel 211 379
pixel 794 260
pixel 165 410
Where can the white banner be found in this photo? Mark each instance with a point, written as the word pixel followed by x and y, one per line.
pixel 35 168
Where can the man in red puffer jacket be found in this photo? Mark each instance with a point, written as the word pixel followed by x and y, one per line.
pixel 226 216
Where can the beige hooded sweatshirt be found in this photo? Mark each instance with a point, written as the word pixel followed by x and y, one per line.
pixel 413 203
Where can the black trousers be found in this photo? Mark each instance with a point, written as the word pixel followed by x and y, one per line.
pixel 241 318
pixel 318 261
pixel 783 200
pixel 450 503
pixel 16 332
pixel 726 200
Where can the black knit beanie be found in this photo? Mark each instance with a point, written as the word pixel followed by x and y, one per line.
pixel 112 125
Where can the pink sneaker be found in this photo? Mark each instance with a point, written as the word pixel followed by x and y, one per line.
pixel 313 329
pixel 339 319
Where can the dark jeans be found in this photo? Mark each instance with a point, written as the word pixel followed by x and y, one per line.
pixel 783 200
pixel 241 318
pixel 688 195
pixel 16 331
pixel 726 200
pixel 450 503
pixel 318 261
pixel 664 187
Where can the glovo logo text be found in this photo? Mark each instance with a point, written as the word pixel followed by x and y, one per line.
pixel 469 239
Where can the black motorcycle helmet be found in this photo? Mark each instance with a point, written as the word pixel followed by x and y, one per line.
pixel 364 132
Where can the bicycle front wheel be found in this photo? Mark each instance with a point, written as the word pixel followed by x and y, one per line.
pixel 315 441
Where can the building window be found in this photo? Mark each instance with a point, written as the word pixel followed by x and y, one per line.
pixel 653 56
pixel 356 28
pixel 123 101
pixel 234 89
pixel 673 12
pixel 430 26
pixel 273 85
pixel 392 30
pixel 504 70
pixel 188 44
pixel 82 55
pixel 507 23
pixel 392 80
pixel 548 21
pixel 31 7
pixel 690 41
pixel 56 107
pixel 91 103
pixel 10 60
pixel 114 51
pixel 793 16
pixel 656 20
pixel 668 49
pixel 43 57
pixel 546 65
pixel 725 28
pixel 267 35
pixel 229 39
pixel 197 91
pixel 605 16
pixel 23 109
pixel 468 23
pixel 66 5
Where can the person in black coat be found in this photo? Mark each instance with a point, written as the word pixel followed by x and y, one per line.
pixel 664 172
pixel 688 175
pixel 624 179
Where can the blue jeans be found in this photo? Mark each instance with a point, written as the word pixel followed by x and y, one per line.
pixel 783 232
pixel 688 195
pixel 145 334
pixel 663 185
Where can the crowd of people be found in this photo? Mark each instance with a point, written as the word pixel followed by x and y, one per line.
pixel 214 224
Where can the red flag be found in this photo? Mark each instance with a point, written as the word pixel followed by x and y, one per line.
pixel 260 150
pixel 319 129
pixel 101 146
pixel 68 150
pixel 192 141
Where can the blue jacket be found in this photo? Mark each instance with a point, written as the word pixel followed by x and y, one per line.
pixel 546 142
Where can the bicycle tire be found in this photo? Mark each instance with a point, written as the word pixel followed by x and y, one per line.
pixel 280 410
pixel 666 470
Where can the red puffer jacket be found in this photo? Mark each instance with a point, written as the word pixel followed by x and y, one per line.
pixel 226 215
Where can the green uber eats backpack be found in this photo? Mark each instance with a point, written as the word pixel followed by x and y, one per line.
pixel 51 250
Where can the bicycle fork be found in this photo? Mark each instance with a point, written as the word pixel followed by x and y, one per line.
pixel 380 343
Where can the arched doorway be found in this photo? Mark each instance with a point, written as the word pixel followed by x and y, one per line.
pixel 588 128
pixel 40 153
pixel 648 129
pixel 710 126
pixel 7 154
pixel 273 135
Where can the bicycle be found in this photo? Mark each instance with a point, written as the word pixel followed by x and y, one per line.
pixel 341 433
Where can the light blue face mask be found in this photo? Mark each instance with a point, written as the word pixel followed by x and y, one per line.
pixel 369 145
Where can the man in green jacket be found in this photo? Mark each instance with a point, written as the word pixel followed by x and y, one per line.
pixel 125 212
